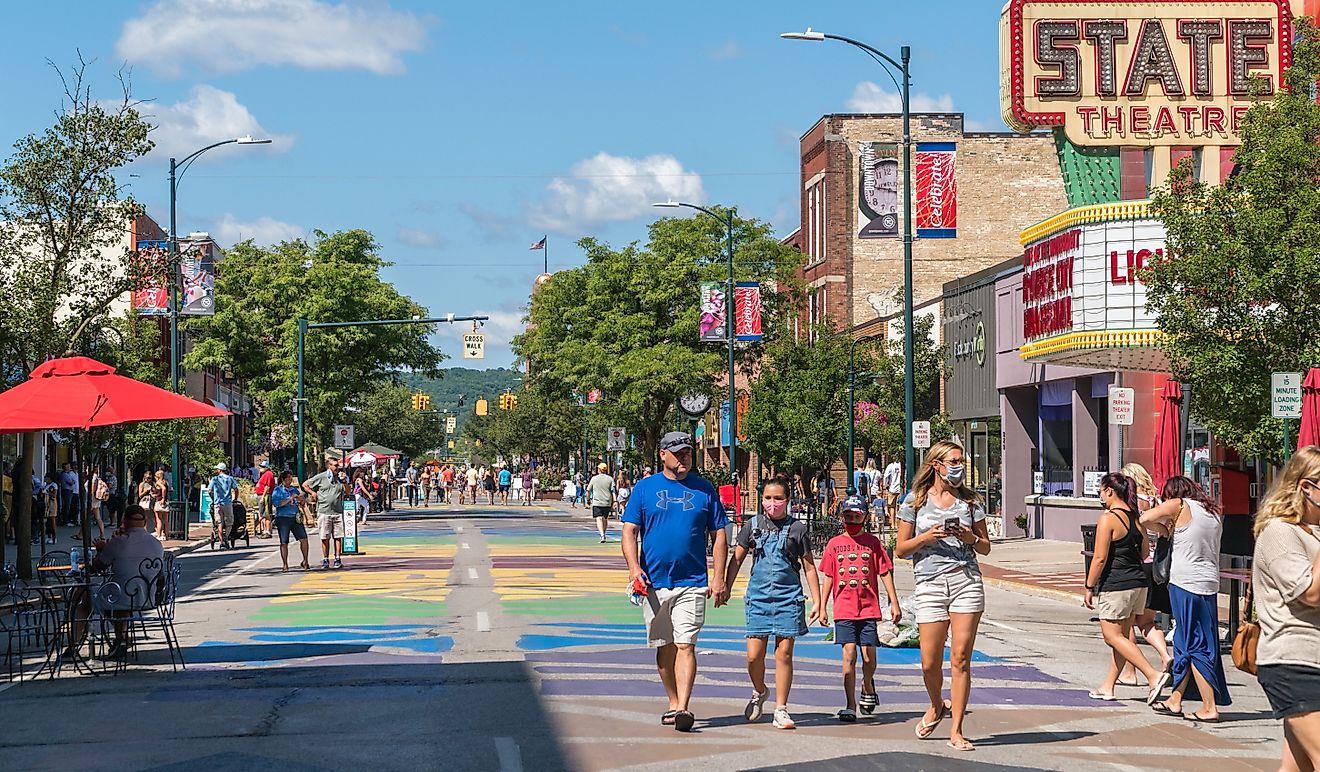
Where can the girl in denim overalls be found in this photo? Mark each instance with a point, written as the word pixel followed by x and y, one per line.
pixel 774 604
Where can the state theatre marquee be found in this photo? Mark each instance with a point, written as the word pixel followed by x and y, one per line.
pixel 1083 301
pixel 1140 72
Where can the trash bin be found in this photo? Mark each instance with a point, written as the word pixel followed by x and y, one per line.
pixel 1088 547
pixel 178 523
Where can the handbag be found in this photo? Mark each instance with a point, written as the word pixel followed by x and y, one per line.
pixel 1248 635
pixel 1162 568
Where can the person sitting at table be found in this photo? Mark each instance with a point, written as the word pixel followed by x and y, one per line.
pixel 123 555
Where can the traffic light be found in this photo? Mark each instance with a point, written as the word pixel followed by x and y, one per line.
pixel 513 401
pixel 481 406
pixel 417 402
pixel 504 401
pixel 451 444
pixel 426 401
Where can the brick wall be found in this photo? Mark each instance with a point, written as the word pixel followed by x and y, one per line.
pixel 1006 182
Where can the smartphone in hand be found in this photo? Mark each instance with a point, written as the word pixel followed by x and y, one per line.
pixel 952 525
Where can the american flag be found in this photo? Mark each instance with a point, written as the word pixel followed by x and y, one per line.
pixel 540 244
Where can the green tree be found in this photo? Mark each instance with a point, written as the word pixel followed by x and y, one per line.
pixel 797 415
pixel 384 415
pixel 627 321
pixel 885 389
pixel 64 258
pixel 1236 295
pixel 261 292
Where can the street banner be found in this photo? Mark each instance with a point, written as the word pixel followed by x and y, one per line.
pixel 197 268
pixel 937 190
pixel 153 299
pixel 877 195
pixel 713 306
pixel 747 311
pixel 594 396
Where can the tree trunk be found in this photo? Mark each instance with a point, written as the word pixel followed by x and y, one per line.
pixel 23 504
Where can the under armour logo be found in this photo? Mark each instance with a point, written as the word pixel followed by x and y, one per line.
pixel 662 500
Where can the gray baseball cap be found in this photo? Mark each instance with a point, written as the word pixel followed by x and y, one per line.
pixel 675 441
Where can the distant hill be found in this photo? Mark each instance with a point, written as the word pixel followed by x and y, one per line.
pixel 464 381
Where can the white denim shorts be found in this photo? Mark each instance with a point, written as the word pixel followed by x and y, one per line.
pixel 674 616
pixel 959 591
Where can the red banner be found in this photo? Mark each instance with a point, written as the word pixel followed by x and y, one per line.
pixel 937 190
pixel 153 299
pixel 747 311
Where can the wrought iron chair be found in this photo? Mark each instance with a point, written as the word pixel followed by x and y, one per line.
pixel 26 626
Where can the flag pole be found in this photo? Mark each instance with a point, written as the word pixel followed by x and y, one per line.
pixel 545 253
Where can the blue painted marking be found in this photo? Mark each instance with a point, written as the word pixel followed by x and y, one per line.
pixel 717 638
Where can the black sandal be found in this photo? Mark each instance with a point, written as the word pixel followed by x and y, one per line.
pixel 683 720
pixel 1163 709
pixel 667 718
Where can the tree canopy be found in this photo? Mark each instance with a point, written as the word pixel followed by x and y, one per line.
pixel 627 321
pixel 1236 296
pixel 261 292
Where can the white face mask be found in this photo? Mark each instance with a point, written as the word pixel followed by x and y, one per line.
pixel 953 474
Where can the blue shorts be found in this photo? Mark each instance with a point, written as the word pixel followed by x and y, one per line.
pixel 858 631
pixel 287 525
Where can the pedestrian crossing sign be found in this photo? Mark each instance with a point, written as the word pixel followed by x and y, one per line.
pixel 474 345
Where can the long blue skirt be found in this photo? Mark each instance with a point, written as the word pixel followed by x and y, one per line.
pixel 1196 642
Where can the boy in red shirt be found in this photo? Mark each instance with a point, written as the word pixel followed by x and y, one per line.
pixel 852 565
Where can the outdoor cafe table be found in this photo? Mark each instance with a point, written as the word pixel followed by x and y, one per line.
pixel 55 598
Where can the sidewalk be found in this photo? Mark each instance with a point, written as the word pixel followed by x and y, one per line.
pixel 1048 569
pixel 199 534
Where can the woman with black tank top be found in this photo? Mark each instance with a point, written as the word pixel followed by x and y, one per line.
pixel 1116 584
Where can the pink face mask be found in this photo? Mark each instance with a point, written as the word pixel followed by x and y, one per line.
pixel 853 528
pixel 774 508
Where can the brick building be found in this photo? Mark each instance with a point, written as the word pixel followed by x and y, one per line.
pixel 1005 182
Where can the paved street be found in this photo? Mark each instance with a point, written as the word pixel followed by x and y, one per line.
pixel 488 638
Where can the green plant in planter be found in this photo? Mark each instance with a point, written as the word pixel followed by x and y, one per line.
pixel 1021 522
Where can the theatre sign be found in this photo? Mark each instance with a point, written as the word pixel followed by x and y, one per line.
pixel 1140 72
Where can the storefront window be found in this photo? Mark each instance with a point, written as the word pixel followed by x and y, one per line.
pixel 1056 438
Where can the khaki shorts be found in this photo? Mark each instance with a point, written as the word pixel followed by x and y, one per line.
pixel 1118 605
pixel 959 591
pixel 674 616
pixel 329 524
pixel 224 515
pixel 891 500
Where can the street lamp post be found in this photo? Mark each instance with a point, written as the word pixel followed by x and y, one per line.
pixel 885 61
pixel 852 407
pixel 177 170
pixel 727 219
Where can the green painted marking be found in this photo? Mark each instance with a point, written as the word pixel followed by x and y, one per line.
pixel 349 610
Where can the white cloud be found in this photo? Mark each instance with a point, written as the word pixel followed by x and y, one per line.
pixel 264 231
pixel 208 116
pixel 234 35
pixel 869 97
pixel 499 330
pixel 607 188
pixel 415 237
pixel 726 52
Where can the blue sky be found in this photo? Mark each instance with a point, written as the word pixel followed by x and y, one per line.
pixel 460 133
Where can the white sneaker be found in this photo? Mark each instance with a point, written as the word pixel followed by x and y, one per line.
pixel 755 706
pixel 783 720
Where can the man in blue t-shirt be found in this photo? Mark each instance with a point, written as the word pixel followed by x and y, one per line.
pixel 673 514
pixel 506 479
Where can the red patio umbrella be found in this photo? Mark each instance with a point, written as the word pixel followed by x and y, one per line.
pixel 80 393
pixel 1168 437
pixel 1309 432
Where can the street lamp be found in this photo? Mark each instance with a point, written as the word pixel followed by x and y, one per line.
pixel 902 67
pixel 852 408
pixel 727 219
pixel 177 170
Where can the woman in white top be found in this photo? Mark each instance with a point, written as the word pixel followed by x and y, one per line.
pixel 942 528
pixel 1197 668
pixel 1286 583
